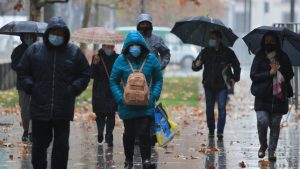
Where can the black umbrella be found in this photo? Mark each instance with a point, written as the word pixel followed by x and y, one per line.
pixel 196 30
pixel 290 41
pixel 20 27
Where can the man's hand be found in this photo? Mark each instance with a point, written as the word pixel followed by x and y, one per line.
pixel 198 63
pixel 96 59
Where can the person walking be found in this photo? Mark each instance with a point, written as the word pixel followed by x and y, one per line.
pixel 271 73
pixel 27 39
pixel 53 72
pixel 104 104
pixel 216 58
pixel 155 43
pixel 141 74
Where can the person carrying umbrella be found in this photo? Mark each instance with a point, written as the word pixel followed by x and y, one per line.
pixel 155 43
pixel 271 73
pixel 145 89
pixel 215 58
pixel 53 72
pixel 24 99
pixel 103 102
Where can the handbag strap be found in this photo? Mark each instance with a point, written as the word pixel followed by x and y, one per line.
pixel 105 68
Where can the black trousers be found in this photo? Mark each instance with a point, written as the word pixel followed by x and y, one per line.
pixel 139 127
pixel 107 120
pixel 42 134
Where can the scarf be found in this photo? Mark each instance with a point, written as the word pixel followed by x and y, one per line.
pixel 278 79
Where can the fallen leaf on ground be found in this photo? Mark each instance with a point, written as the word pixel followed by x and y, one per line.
pixel 24 152
pixel 264 164
pixel 242 164
pixel 212 149
pixel 211 167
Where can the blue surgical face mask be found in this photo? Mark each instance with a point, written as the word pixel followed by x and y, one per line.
pixel 135 50
pixel 55 40
pixel 212 43
pixel 108 52
pixel 28 42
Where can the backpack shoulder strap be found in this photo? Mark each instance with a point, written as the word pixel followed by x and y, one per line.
pixel 130 64
pixel 141 69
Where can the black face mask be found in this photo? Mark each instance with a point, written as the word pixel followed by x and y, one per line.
pixel 270 47
pixel 145 30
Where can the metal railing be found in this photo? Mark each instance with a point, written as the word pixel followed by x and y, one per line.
pixel 296 81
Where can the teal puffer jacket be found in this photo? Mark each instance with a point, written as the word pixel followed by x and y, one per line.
pixel 121 70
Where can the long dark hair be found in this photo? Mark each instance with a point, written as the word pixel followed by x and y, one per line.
pixel 274 35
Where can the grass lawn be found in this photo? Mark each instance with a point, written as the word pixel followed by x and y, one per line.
pixel 177 91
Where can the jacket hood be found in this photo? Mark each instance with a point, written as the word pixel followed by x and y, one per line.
pixel 56 22
pixel 134 37
pixel 142 18
pixel 23 39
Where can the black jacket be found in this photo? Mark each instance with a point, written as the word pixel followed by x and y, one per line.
pixel 103 101
pixel 214 62
pixel 15 59
pixel 53 76
pixel 262 83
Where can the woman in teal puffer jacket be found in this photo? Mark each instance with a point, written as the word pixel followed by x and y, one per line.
pixel 137 119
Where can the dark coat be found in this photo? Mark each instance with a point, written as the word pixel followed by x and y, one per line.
pixel 214 62
pixel 15 59
pixel 53 76
pixel 262 83
pixel 103 101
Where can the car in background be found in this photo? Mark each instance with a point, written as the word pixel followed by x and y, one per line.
pixel 181 54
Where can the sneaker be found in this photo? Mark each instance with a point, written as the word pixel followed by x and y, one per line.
pixel 30 137
pixel 100 139
pixel 128 165
pixel 220 136
pixel 272 156
pixel 262 151
pixel 25 137
pixel 148 165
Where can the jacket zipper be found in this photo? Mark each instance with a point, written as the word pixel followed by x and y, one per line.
pixel 53 78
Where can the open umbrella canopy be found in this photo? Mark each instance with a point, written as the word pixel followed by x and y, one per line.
pixel 97 35
pixel 196 30
pixel 290 41
pixel 20 27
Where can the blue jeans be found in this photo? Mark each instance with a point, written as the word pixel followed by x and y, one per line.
pixel 211 97
pixel 265 120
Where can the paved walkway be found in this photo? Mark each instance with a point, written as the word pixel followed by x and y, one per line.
pixel 190 150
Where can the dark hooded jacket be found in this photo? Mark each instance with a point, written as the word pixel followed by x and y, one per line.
pixel 214 62
pixel 15 59
pixel 155 43
pixel 103 101
pixel 53 76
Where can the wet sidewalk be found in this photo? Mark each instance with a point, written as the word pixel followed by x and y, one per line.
pixel 190 150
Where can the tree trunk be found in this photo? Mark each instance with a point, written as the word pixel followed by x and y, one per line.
pixel 35 10
pixel 49 11
pixel 87 13
pixel 86 18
